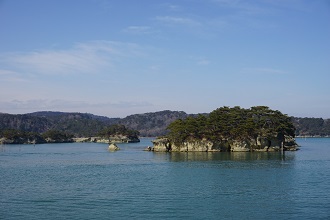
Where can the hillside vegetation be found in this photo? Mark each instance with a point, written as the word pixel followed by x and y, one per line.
pixel 312 126
pixel 75 124
pixel 152 124
pixel 148 124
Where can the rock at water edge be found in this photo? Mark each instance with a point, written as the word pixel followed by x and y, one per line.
pixel 113 147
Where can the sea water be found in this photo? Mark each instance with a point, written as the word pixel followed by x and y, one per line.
pixel 86 181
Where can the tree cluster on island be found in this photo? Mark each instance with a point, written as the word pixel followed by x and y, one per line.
pixel 232 123
pixel 119 133
pixel 230 129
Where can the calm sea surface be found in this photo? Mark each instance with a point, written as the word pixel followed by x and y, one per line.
pixel 85 181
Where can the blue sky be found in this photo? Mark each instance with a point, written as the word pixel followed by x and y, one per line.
pixel 122 57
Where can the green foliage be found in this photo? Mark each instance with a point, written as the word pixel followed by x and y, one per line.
pixel 21 137
pixel 12 134
pixel 269 122
pixel 232 123
pixel 118 130
pixel 56 135
pixel 24 123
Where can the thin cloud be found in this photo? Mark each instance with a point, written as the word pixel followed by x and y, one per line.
pixel 6 73
pixel 251 14
pixel 178 21
pixel 200 60
pixel 203 62
pixel 243 7
pixel 261 7
pixel 40 104
pixel 65 105
pixel 11 76
pixel 171 7
pixel 266 71
pixel 138 30
pixel 174 7
pixel 296 5
pixel 82 58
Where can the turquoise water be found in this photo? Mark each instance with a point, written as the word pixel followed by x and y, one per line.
pixel 85 181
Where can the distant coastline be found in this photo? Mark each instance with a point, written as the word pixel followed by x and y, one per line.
pixel 121 139
pixel 113 139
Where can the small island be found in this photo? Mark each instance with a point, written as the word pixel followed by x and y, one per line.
pixel 230 129
pixel 111 134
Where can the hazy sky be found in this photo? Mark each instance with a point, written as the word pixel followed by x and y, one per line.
pixel 121 57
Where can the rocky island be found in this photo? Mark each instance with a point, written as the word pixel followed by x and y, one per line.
pixel 112 134
pixel 230 129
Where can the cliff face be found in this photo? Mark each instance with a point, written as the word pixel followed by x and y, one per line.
pixel 194 145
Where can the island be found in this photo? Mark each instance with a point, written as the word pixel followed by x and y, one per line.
pixel 230 129
pixel 112 134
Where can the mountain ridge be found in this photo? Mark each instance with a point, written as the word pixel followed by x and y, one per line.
pixel 149 124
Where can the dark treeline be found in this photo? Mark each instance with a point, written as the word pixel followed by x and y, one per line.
pixel 76 124
pixel 12 136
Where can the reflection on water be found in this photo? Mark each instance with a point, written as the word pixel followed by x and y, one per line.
pixel 2 148
pixel 231 156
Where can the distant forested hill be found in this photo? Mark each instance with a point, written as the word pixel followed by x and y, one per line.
pixel 85 125
pixel 152 124
pixel 148 124
pixel 77 124
pixel 312 126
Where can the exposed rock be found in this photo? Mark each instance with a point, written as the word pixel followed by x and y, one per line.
pixel 260 144
pixel 161 145
pixel 164 144
pixel 148 149
pixel 6 141
pixel 240 146
pixel 113 147
pixel 50 140
pixel 111 139
pixel 82 140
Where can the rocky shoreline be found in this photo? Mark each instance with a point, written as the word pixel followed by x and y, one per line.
pixel 113 139
pixel 33 141
pixel 236 129
pixel 261 144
